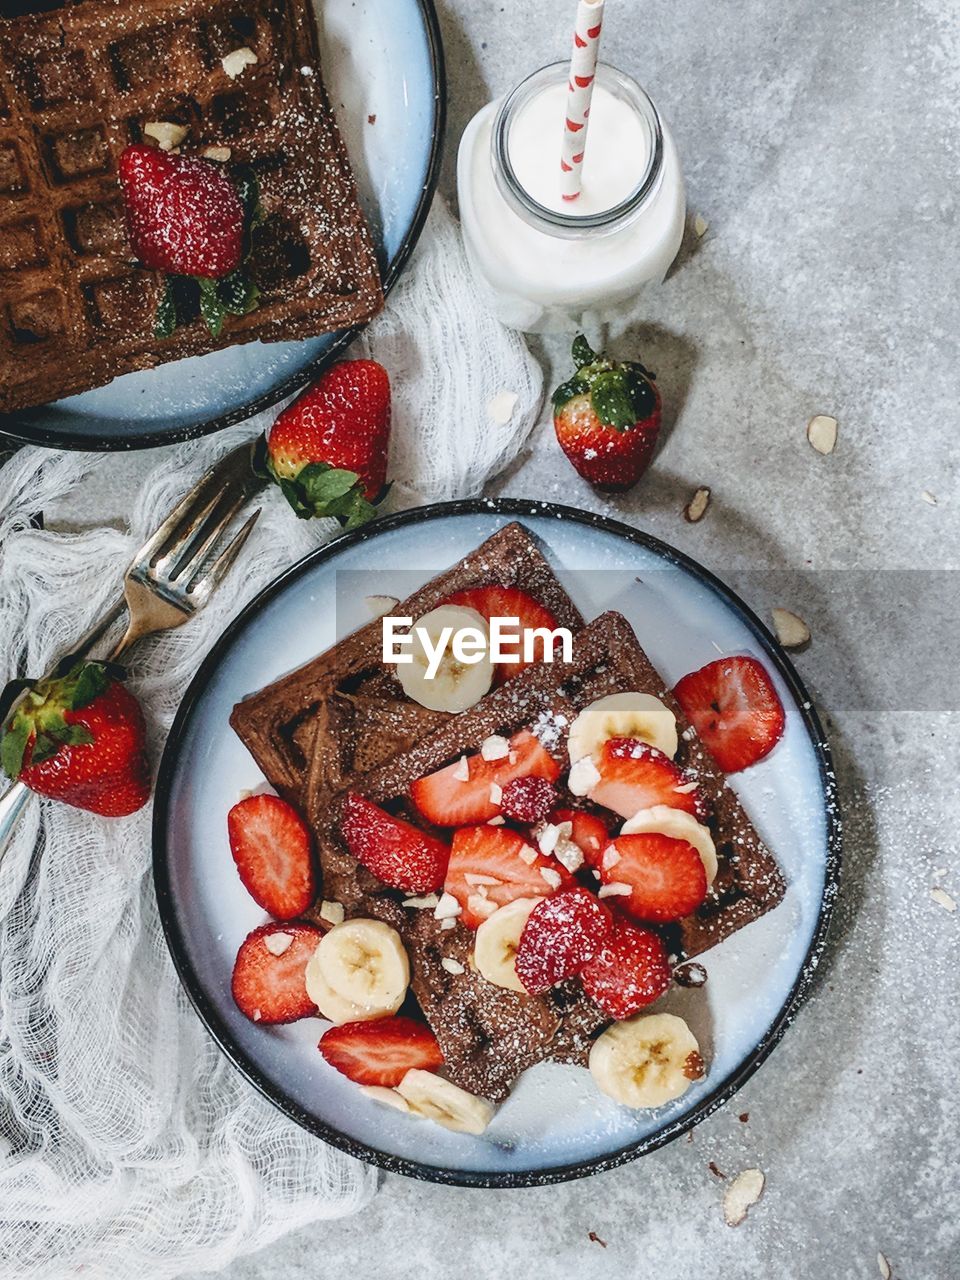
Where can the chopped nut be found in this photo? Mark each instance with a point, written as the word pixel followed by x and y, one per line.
pixel 583 777
pixel 220 154
pixel 686 788
pixel 592 1235
pixel 278 943
pixel 696 508
pixel 495 747
pixel 500 408
pixel 257 1015
pixel 235 62
pixel 792 631
pixel 461 770
pixel 496 793
pixel 822 433
pixel 883 1266
pixel 165 133
pixel 380 606
pixel 700 226
pixel 929 498
pixel 528 855
pixel 744 1191
pixel 481 906
pixel 447 908
pixel 474 878
pixel 943 899
pixel 552 877
pixel 551 834
pixel 332 912
pixel 569 854
pixel 452 966
pixel 611 857
pixel 448 924
pixel 428 901
pixel 497 820
pixel 616 889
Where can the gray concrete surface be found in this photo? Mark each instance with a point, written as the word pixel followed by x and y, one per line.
pixel 820 143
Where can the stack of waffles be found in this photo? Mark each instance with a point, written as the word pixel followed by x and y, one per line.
pixel 342 723
pixel 78 83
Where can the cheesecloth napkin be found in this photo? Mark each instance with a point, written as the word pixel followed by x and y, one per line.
pixel 128 1145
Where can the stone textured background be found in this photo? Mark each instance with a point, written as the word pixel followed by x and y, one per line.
pixel 819 139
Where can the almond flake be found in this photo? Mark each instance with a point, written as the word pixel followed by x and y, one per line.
pixel 929 498
pixel 500 408
pixel 473 878
pixel 700 226
pixel 481 906
pixel 332 912
pixel 551 834
pixel 278 943
pixel 220 154
pixel 686 788
pixel 745 1190
pixel 430 900
pixel 822 433
pixel 696 508
pixel 447 908
pixel 257 1015
pixel 495 747
pixel 528 855
pixel 611 857
pixel 448 924
pixel 552 877
pixel 452 966
pixel 389 1097
pixel 569 855
pixel 792 631
pixel 583 777
pixel 165 133
pixel 235 62
pixel 689 733
pixel 496 793
pixel 883 1266
pixel 616 889
pixel 380 606
pixel 496 821
pixel 461 770
pixel 943 899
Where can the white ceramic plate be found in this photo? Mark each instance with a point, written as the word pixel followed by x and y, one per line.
pixel 556 1124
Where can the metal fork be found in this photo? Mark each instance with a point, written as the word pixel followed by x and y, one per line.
pixel 172 576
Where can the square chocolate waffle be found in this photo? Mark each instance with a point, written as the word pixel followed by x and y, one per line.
pixel 79 82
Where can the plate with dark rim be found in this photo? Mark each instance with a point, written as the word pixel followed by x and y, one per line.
pixel 383 64
pixel 556 1125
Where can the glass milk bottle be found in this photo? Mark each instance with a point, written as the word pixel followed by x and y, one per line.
pixel 540 266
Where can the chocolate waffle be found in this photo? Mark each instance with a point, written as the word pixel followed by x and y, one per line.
pixel 351 707
pixel 78 82
pixel 488 1035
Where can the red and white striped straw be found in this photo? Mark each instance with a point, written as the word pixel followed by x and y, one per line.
pixel 583 70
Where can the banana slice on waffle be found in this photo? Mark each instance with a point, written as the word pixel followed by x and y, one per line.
pixel 623 715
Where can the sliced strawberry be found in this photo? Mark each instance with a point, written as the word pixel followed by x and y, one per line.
pixel 561 935
pixel 270 844
pixel 589 832
pixel 397 852
pixel 486 868
pixel 508 602
pixel 735 709
pixel 629 971
pixel 268 975
pixel 447 800
pixel 634 776
pixel 666 876
pixel 381 1051
pixel 528 799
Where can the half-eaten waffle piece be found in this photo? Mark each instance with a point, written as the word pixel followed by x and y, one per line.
pixel 236 80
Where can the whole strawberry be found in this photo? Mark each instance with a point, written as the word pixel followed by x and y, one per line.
pixel 328 450
pixel 80 738
pixel 191 219
pixel 607 418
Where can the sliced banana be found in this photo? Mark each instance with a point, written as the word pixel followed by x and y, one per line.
pixel 453 686
pixel 646 1061
pixel 496 941
pixel 441 1100
pixel 679 825
pixel 359 971
pixel 623 715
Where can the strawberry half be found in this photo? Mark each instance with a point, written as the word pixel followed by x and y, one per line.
pixel 486 867
pixel 271 846
pixel 666 876
pixel 269 982
pixel 735 710
pixel 589 832
pixel 448 800
pixel 607 418
pixel 635 775
pixel 397 852
pixel 562 934
pixel 508 602
pixel 328 450
pixel 80 738
pixel 381 1051
pixel 630 971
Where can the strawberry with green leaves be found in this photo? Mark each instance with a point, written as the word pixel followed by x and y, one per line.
pixel 328 450
pixel 193 220
pixel 80 738
pixel 607 418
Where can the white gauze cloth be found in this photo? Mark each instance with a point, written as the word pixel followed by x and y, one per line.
pixel 128 1145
